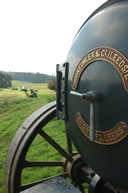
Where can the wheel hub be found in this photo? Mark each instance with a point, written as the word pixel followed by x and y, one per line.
pixel 74 169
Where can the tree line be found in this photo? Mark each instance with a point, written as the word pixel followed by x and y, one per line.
pixel 31 77
pixel 5 80
pixel 7 77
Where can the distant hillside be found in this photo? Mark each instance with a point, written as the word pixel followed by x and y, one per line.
pixel 31 77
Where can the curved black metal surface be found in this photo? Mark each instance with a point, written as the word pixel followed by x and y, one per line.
pixel 16 160
pixel 102 7
pixel 106 28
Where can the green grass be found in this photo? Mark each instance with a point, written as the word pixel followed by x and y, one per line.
pixel 15 107
pixel 19 84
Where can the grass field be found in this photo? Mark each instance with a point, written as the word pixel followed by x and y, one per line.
pixel 15 107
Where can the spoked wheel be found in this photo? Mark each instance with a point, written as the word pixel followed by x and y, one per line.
pixel 17 160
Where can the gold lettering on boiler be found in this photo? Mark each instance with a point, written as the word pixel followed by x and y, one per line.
pixel 109 137
pixel 108 54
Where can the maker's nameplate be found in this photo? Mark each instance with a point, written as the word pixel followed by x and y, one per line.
pixel 103 53
pixel 109 137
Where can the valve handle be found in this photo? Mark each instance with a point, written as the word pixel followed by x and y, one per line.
pixel 92 97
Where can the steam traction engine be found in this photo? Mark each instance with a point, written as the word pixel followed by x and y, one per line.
pixel 92 95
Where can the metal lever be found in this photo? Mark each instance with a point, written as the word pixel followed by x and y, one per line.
pixel 90 96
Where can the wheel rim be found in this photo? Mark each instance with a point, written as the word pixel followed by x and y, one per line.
pixel 16 161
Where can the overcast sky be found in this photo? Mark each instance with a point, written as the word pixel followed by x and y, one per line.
pixel 35 35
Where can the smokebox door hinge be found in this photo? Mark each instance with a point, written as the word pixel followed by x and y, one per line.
pixel 62 80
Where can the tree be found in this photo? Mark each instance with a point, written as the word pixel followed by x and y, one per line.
pixel 5 80
pixel 52 85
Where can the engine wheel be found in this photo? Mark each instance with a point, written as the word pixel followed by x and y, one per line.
pixel 16 160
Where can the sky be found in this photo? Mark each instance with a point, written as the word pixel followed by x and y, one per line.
pixel 35 35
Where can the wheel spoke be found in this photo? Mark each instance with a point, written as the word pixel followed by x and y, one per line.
pixel 42 164
pixel 69 143
pixel 55 145
pixel 27 186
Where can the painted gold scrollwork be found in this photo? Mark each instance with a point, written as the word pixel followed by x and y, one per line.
pixel 107 54
pixel 115 135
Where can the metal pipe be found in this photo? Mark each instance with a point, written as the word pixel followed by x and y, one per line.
pixel 92 122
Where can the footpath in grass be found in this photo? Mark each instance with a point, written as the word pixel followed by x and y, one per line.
pixel 15 107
